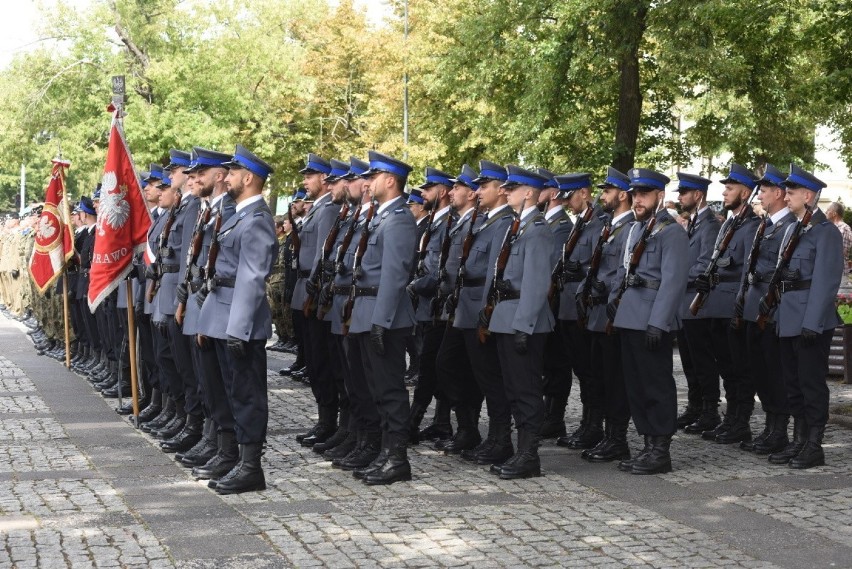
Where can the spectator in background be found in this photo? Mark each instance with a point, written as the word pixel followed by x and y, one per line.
pixel 834 212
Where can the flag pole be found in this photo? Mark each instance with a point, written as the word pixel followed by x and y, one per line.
pixel 65 317
pixel 131 349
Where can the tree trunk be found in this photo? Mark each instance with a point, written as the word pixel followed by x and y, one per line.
pixel 629 91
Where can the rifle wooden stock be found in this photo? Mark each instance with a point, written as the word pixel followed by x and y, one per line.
pixel 310 304
pixel 594 269
pixel 499 271
pixel 356 268
pixel 193 252
pixel 754 253
pixel 322 310
pixel 442 270
pixel 467 244
pixel 213 252
pixel 153 285
pixel 425 240
pixel 556 283
pixel 635 257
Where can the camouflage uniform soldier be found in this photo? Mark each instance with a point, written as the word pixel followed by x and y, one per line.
pixel 275 288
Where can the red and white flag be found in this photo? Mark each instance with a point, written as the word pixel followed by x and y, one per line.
pixel 54 244
pixel 123 220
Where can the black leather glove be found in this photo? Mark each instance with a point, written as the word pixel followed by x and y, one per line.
pixel 311 288
pixel 151 272
pixel 653 338
pixel 377 339
pixel 202 295
pixel 763 307
pixel 484 319
pixel 237 348
pixel 521 342
pixel 134 272
pixel 181 293
pixel 611 310
pixel 702 284
pixel 738 310
pixel 450 305
pixel 809 337
pixel 326 297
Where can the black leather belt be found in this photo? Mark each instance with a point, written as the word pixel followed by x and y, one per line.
pixel 508 294
pixel 597 300
pixel 342 290
pixel 636 281
pixel 787 286
pixel 366 291
pixel 754 278
pixel 468 283
pixel 573 277
pixel 169 268
pixel 303 274
pixel 224 282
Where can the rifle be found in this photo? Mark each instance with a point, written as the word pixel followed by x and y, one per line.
pixel 773 296
pixel 739 302
pixel 499 270
pixel 437 305
pixel 356 268
pixel 295 240
pixel 322 309
pixel 192 254
pixel 556 277
pixel 635 257
pixel 594 268
pixel 467 244
pixel 153 285
pixel 316 277
pixel 424 241
pixel 213 252
pixel 712 267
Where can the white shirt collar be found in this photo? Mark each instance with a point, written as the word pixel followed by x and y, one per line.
pixel 441 212
pixel 323 199
pixel 386 205
pixel 553 211
pixel 217 199
pixel 528 210
pixel 247 202
pixel 776 217
pixel 497 210
pixel 702 210
pixel 618 217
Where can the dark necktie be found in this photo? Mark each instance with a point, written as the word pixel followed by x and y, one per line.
pixel 768 223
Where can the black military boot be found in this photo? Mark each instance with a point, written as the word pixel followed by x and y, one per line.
pixel 326 427
pixel 811 454
pixel 767 428
pixel 657 460
pixel 568 439
pixel 777 439
pixel 295 366
pixel 501 450
pixel 343 449
pixel 467 437
pixel 126 391
pixel 627 465
pixel 440 429
pixel 707 421
pixel 740 428
pixel 166 414
pixel 800 436
pixel 368 449
pixel 689 415
pixel 227 456
pixel 340 435
pixel 191 433
pixel 592 434
pixel 247 475
pixel 415 417
pixel 728 419
pixel 613 447
pixel 525 463
pixel 375 464
pixel 150 412
pixel 204 449
pixel 174 426
pixel 554 417
pixel 395 469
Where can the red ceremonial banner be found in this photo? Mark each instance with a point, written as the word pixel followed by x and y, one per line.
pixel 123 220
pixel 54 244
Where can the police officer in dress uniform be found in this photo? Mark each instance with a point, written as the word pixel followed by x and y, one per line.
pixel 647 319
pixel 236 315
pixel 806 318
pixel 722 290
pixel 557 360
pixel 616 201
pixel 703 341
pixel 414 343
pixel 383 316
pixel 522 318
pixel 429 292
pixel 763 345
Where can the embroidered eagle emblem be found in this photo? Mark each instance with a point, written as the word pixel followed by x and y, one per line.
pixel 114 210
pixel 46 230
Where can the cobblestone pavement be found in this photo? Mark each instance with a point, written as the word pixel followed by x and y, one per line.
pixel 80 487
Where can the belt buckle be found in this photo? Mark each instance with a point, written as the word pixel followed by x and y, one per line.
pixel 785 286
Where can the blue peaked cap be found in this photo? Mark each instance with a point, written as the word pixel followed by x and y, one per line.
pixel 551 178
pixel 802 178
pixel 574 181
pixel 466 178
pixel 740 175
pixel 356 168
pixel 383 163
pixel 522 177
pixel 646 179
pixel 339 169
pixel 687 182
pixel 772 177
pixel 615 179
pixel 203 158
pixel 436 177
pixel 415 197
pixel 315 164
pixel 156 173
pixel 244 159
pixel 490 171
pixel 178 159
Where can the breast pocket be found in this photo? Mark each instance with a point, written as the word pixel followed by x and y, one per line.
pixel 803 260
pixel 229 239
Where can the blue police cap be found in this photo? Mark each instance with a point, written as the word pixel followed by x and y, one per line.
pixel 142 181
pixel 522 177
pixel 415 197
pixel 615 179
pixel 86 205
pixel 178 159
pixel 300 195
pixel 244 159
pixel 156 173
pixel 466 178
pixel 96 195
pixel 339 169
pixel 551 178
pixel 490 171
pixel 569 183
pixel 383 163
pixel 772 177
pixel 740 175
pixel 687 182
pixel 643 179
pixel 165 182
pixel 315 164
pixel 436 177
pixel 356 168
pixel 800 178
pixel 203 158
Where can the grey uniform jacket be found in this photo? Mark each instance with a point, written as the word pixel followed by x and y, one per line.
pixel 580 258
pixel 88 247
pixel 190 318
pixel 153 239
pixel 665 259
pixel 731 268
pixel 343 270
pixel 458 233
pixel 315 228
pixel 489 235
pixel 612 255
pixel 179 238
pixel 247 247
pixel 770 247
pixel 426 285
pixel 387 264
pixel 702 241
pixel 818 258
pixel 528 270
